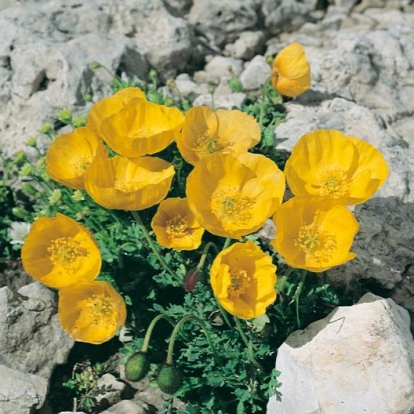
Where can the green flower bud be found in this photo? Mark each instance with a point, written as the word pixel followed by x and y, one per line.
pixel 137 366
pixel 64 115
pixel 235 85
pixel 32 142
pixel 152 73
pixel 168 101
pixel 95 65
pixel 79 121
pixel 169 379
pixel 46 128
pixel 87 97
pixel 55 196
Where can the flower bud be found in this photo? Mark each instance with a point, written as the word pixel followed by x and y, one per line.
pixel 169 379
pixel 191 279
pixel 137 366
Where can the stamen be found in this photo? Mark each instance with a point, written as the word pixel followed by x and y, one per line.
pixel 66 252
pixel 240 281
pixel 333 181
pixel 177 227
pixel 228 204
pixel 318 244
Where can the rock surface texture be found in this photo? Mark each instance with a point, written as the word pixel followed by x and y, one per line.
pixel 359 359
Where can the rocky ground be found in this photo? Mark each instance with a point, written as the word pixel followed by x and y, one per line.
pixel 362 59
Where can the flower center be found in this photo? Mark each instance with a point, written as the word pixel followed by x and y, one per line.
pixel 81 165
pixel 229 204
pixel 317 244
pixel 333 181
pixel 208 144
pixel 176 227
pixel 100 310
pixel 66 252
pixel 240 281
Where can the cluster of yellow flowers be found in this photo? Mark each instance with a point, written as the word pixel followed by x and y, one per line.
pixel 230 192
pixel 61 253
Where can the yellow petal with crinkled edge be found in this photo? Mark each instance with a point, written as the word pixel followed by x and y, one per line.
pixel 243 279
pixel 58 251
pixel 328 163
pixel 128 184
pixel 91 312
pixel 313 233
pixel 141 128
pixel 226 131
pixel 291 74
pixel 70 155
pixel 176 226
pixel 236 199
pixel 108 106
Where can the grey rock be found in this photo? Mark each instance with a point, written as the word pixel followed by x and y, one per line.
pixel 222 97
pixel 178 8
pixel 218 68
pixel 255 73
pixel 222 21
pixel 358 359
pixel 247 45
pixel 21 393
pixel 285 15
pixel 31 338
pixel 127 407
pixel 111 390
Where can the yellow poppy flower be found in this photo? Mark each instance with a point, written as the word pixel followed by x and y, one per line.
pixel 313 233
pixel 330 164
pixel 108 106
pixel 232 197
pixel 59 251
pixel 243 279
pixel 128 184
pixel 69 156
pixel 141 128
pixel 291 71
pixel 227 131
pixel 175 225
pixel 91 312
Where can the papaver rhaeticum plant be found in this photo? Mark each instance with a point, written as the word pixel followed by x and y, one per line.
pixel 152 210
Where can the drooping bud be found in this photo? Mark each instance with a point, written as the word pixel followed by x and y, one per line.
pixel 169 378
pixel 137 366
pixel 191 279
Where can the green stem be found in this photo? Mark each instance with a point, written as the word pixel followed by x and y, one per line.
pixel 296 297
pixel 225 315
pixel 170 352
pixel 249 345
pixel 152 245
pixel 204 255
pixel 151 327
pixel 282 280
pixel 226 243
pixel 262 102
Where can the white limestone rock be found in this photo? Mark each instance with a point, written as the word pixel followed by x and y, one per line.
pixel 222 21
pixel 255 73
pixel 359 359
pixel 31 337
pixel 21 393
